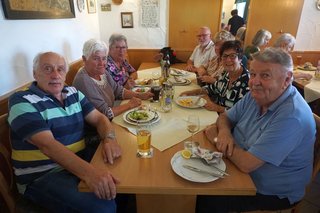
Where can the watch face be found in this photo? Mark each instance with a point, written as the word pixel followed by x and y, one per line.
pixel 80 4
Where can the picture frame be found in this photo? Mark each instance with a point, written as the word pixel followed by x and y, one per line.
pixel 54 9
pixel 126 19
pixel 91 6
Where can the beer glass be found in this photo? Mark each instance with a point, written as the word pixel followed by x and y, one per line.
pixel 144 141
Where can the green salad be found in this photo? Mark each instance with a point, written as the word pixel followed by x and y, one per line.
pixel 139 115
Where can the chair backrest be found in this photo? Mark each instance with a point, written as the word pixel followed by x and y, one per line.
pixel 7 184
pixel 73 69
pixel 316 162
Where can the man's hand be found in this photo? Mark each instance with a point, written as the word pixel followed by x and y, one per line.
pixel 191 68
pixel 102 183
pixel 225 143
pixel 110 150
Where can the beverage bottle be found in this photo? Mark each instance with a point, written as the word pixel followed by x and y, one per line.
pixel 166 97
pixel 317 73
pixel 165 68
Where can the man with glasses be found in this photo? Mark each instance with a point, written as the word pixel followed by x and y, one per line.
pixel 117 64
pixel 202 53
pixel 48 150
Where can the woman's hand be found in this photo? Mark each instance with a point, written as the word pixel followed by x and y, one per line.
pixel 130 84
pixel 207 79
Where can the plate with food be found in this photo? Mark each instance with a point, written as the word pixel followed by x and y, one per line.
pixel 307 67
pixel 194 170
pixel 191 101
pixel 177 72
pixel 143 82
pixel 138 116
pixel 179 81
pixel 141 89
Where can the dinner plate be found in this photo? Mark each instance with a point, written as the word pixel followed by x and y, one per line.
pixel 177 162
pixel 177 72
pixel 181 82
pixel 153 117
pixel 141 89
pixel 190 101
pixel 307 69
pixel 143 82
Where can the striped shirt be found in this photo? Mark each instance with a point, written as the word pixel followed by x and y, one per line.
pixel 32 111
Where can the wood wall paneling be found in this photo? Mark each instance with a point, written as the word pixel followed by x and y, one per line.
pixel 273 15
pixel 185 18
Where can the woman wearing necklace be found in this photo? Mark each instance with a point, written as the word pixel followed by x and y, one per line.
pixel 231 85
pixel 117 64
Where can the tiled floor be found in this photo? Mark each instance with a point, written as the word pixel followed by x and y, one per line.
pixel 311 202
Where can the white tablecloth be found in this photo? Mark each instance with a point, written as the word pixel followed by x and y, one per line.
pixel 172 127
pixel 312 89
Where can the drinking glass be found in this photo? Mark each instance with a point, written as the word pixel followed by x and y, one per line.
pixel 193 125
pixel 144 141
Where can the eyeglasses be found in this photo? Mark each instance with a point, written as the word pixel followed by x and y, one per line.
pixel 231 56
pixel 120 48
pixel 202 35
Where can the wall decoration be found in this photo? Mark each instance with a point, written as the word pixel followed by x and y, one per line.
pixel 126 20
pixel 150 13
pixel 38 9
pixel 105 7
pixel 81 5
pixel 91 6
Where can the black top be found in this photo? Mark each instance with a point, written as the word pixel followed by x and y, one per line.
pixel 236 22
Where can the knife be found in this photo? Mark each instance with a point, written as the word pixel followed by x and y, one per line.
pixel 201 171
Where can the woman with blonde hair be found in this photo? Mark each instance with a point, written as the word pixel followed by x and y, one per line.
pixel 259 42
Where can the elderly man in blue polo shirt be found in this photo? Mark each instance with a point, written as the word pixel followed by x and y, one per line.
pixel 270 134
pixel 47 131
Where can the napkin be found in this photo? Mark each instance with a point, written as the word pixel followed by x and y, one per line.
pixel 210 156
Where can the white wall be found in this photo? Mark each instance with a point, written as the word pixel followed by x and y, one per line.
pixel 308 35
pixel 138 37
pixel 21 40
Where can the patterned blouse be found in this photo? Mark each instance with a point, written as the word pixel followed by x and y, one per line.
pixel 119 74
pixel 222 95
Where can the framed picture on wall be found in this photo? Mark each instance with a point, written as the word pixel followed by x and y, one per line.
pixel 38 9
pixel 91 6
pixel 126 20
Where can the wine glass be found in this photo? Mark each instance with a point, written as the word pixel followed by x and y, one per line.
pixel 193 125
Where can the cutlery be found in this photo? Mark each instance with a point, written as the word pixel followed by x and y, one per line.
pixel 210 164
pixel 201 171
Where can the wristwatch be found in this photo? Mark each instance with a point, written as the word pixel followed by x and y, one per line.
pixel 110 135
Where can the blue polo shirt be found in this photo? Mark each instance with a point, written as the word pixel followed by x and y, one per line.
pixel 283 138
pixel 32 111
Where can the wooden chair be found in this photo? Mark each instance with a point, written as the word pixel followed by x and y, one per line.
pixel 10 200
pixel 73 69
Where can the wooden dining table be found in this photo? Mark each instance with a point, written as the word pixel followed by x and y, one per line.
pixel 157 187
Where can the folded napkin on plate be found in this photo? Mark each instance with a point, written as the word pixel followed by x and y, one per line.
pixel 210 156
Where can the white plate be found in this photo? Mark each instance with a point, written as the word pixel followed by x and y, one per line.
pixel 177 162
pixel 307 69
pixel 154 117
pixel 143 82
pixel 177 72
pixel 189 101
pixel 182 82
pixel 141 89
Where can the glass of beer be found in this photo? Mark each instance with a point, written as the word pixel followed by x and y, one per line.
pixel 144 141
